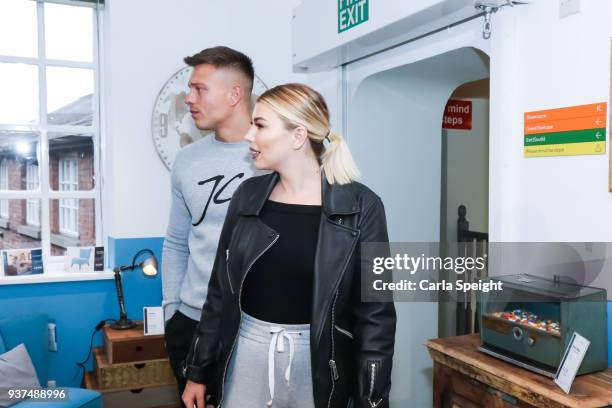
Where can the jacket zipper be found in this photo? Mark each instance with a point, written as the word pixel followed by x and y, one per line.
pixel 344 331
pixel 240 308
pixel 332 361
pixel 195 350
pixel 229 278
pixel 372 381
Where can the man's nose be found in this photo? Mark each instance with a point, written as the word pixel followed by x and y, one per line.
pixel 188 99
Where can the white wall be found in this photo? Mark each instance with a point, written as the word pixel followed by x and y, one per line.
pixel 555 63
pixel 144 43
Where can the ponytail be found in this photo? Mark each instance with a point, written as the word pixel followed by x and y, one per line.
pixel 337 161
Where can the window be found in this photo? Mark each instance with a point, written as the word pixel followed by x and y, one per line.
pixel 49 127
pixel 69 207
pixel 4 185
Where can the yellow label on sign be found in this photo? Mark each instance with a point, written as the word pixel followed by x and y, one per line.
pixel 570 149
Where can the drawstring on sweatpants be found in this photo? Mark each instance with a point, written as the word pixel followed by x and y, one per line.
pixel 277 342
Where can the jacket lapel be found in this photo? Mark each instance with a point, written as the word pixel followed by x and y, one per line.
pixel 335 245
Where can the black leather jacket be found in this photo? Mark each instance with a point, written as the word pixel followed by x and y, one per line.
pixel 351 342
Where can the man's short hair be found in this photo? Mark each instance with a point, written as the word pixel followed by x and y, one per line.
pixel 224 57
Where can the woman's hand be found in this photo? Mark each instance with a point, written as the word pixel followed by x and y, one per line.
pixel 194 395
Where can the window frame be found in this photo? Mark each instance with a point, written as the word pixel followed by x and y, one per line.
pixel 68 213
pixel 54 265
pixel 32 204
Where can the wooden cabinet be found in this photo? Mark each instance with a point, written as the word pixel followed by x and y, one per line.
pixel 132 370
pixel 453 389
pixel 124 346
pixel 467 378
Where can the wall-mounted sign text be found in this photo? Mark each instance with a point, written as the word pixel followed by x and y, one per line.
pixel 566 131
pixel 457 115
pixel 351 13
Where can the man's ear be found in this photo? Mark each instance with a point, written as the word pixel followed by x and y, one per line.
pixel 236 94
pixel 300 136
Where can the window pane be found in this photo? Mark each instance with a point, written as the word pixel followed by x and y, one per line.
pixel 18 28
pixel 70 96
pixel 73 223
pixel 69 32
pixel 19 153
pixel 18 93
pixel 16 231
pixel 71 162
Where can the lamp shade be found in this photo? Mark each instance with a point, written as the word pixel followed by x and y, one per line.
pixel 149 266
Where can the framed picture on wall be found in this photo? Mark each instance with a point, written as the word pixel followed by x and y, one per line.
pixel 19 262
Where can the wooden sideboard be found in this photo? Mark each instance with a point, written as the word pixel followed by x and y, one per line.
pixel 467 378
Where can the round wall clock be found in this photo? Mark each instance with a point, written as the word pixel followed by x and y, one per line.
pixel 171 125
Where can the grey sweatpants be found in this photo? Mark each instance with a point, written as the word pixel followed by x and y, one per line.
pixel 270 366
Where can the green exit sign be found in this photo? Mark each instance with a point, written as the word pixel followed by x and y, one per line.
pixel 351 13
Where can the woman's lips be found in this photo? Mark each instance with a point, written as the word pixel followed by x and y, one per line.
pixel 254 153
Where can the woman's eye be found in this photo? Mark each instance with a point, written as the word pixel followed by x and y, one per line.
pixel 258 126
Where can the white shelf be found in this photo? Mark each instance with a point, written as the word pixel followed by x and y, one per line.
pixel 56 277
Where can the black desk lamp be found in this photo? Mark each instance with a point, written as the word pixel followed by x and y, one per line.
pixel 149 268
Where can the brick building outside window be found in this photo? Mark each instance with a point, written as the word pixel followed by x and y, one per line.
pixel 71 168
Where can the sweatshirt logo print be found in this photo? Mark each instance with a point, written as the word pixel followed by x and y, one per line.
pixel 214 194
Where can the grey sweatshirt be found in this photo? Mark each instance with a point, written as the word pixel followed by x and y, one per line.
pixel 204 176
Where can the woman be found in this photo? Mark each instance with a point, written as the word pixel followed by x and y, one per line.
pixel 283 324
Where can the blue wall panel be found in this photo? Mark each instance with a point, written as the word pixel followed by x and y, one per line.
pixel 77 307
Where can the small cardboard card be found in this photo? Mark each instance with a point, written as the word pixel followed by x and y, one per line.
pixel 574 354
pixel 153 320
pixel 84 259
pixel 18 262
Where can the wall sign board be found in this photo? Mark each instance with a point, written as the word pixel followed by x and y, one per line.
pixel 568 131
pixel 351 13
pixel 457 115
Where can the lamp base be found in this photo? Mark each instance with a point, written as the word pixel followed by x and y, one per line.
pixel 123 324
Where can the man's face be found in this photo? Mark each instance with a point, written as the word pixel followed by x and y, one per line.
pixel 210 96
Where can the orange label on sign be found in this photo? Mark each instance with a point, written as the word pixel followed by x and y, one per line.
pixel 564 125
pixel 457 115
pixel 581 111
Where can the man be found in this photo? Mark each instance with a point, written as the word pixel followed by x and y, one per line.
pixel 204 177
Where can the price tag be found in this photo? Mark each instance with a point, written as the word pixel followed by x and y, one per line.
pixel 574 354
pixel 153 320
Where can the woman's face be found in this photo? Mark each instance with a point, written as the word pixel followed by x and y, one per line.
pixel 271 144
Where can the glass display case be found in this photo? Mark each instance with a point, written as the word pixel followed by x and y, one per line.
pixel 531 320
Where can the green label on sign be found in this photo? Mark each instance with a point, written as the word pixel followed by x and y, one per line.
pixel 573 136
pixel 352 13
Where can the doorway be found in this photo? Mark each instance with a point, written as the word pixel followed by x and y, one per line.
pixel 464 206
pixel 392 111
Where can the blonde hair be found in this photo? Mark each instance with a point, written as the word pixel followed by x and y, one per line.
pixel 300 105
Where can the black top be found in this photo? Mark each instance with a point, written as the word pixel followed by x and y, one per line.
pixel 278 288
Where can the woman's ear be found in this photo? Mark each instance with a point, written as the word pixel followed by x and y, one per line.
pixel 300 136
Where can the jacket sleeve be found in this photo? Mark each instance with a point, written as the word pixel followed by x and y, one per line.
pixel 373 321
pixel 200 364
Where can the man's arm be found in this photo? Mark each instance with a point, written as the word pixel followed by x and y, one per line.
pixel 175 256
